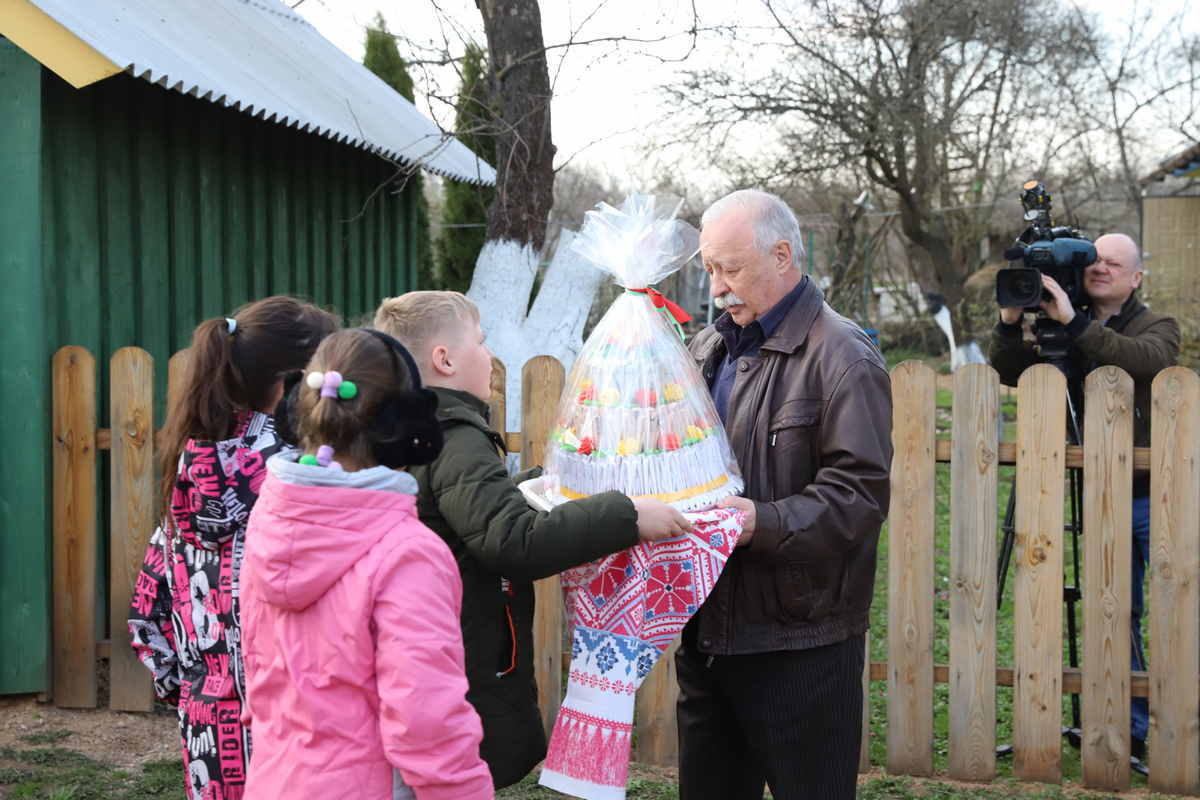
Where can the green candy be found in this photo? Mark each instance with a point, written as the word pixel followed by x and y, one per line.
pixel 347 390
pixel 310 460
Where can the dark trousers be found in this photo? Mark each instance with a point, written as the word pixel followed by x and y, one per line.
pixel 790 719
pixel 1140 715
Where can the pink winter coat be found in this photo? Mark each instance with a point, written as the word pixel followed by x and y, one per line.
pixel 353 649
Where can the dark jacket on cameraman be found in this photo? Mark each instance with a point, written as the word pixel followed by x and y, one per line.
pixel 810 422
pixel 502 545
pixel 1135 339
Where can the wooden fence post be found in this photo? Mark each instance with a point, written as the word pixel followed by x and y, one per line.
pixel 973 481
pixel 176 374
pixel 911 523
pixel 133 516
pixel 542 381
pixel 1037 589
pixel 74 587
pixel 1107 520
pixel 498 405
pixel 1174 742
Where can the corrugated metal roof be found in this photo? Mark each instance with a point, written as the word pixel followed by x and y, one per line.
pixel 264 59
pixel 1183 164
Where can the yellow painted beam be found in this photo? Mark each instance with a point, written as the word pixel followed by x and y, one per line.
pixel 55 47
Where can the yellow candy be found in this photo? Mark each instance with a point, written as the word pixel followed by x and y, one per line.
pixel 694 433
pixel 629 447
pixel 610 397
pixel 585 383
pixel 569 437
pixel 672 392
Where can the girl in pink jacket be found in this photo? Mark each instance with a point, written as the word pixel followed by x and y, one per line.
pixel 350 606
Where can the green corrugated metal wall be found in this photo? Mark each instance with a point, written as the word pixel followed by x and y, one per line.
pixel 157 211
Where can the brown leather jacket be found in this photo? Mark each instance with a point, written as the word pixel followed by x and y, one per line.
pixel 810 422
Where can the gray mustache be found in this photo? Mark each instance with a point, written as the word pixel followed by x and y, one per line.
pixel 728 299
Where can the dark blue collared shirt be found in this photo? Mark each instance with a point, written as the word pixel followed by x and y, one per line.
pixel 747 341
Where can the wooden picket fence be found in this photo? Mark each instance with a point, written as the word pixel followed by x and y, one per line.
pixel 1037 675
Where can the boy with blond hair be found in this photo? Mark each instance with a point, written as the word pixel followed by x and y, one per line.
pixel 501 544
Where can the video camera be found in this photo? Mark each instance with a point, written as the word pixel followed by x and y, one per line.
pixel 1062 253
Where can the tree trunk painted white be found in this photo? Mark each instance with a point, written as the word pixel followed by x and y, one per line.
pixel 501 286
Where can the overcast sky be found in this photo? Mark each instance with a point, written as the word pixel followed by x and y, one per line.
pixel 605 95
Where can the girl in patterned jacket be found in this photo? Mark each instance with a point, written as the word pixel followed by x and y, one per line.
pixel 185 618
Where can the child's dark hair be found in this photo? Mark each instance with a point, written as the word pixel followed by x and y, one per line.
pixel 234 364
pixel 365 359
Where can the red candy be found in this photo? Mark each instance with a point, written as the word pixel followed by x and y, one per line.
pixel 587 394
pixel 645 397
pixel 668 441
pixel 586 446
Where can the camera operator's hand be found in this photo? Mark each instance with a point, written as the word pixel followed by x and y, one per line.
pixel 1011 315
pixel 1058 307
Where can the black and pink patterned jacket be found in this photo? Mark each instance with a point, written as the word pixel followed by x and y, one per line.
pixel 185 618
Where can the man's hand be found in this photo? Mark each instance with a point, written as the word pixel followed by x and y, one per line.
pixel 1058 307
pixel 746 507
pixel 1011 315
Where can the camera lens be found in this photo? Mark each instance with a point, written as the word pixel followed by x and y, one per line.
pixel 1018 287
pixel 1026 285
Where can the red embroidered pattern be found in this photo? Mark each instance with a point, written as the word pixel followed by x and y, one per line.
pixel 626 609
pixel 603 684
pixel 588 719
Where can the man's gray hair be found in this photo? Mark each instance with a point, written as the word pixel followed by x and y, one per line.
pixel 773 220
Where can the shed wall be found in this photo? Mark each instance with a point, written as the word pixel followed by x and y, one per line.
pixel 152 211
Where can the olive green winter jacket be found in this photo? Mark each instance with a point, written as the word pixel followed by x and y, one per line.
pixel 502 545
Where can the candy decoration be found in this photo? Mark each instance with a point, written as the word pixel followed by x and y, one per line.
pixel 645 397
pixel 634 389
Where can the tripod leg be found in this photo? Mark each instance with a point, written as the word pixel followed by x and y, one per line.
pixel 1008 529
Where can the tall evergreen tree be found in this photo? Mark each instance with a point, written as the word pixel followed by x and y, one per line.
pixel 465 206
pixel 383 57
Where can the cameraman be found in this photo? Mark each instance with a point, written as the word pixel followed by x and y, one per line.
pixel 1115 329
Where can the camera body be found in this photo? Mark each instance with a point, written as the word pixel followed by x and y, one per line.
pixel 1062 253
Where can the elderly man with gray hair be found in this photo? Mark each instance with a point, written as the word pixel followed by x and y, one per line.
pixel 770 668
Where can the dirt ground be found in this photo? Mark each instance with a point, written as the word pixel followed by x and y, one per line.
pixel 123 739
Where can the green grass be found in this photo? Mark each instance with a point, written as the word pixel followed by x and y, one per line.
pixel 56 773
pixel 47 737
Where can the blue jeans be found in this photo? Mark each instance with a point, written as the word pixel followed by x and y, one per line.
pixel 1140 717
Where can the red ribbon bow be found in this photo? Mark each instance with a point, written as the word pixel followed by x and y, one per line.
pixel 661 301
